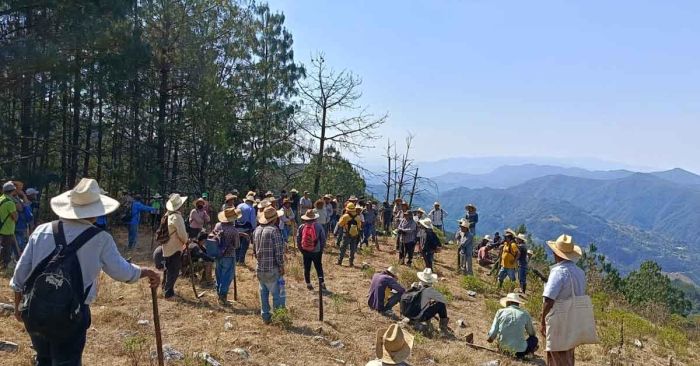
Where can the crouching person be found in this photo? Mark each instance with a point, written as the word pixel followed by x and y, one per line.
pixel 510 325
pixel 55 313
pixel 422 302
pixel 384 292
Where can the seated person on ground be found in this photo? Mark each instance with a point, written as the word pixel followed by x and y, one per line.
pixel 422 302
pixel 510 326
pixel 384 291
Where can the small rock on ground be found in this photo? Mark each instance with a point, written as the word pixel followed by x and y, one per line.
pixel 242 353
pixel 471 293
pixel 143 322
pixel 638 343
pixel 491 363
pixel 337 344
pixel 208 359
pixel 169 354
pixel 228 326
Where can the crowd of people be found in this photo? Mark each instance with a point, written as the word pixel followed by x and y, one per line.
pixel 195 244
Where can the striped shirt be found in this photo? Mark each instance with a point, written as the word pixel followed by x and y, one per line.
pixel 407 229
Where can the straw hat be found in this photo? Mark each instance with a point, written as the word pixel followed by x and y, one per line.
pixel 464 223
pixel 522 237
pixel 426 223
pixel 353 199
pixel 175 202
pixel 398 200
pixel 230 197
pixel 436 203
pixel 392 270
pixel 419 209
pixel 157 196
pixel 229 215
pixel 511 297
pixel 565 248
pixel 427 276
pixel 471 205
pixel 510 231
pixel 328 196
pixel 293 190
pixel 250 197
pixel 310 215
pixel 394 345
pixel 83 201
pixel 269 194
pixel 200 200
pixel 268 215
pixel 488 238
pixel 350 207
pixel 286 200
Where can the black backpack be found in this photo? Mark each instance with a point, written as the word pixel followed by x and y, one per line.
pixel 410 303
pixel 54 294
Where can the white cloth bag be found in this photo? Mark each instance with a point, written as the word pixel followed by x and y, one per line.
pixel 571 323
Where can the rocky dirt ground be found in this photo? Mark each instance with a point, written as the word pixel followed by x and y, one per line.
pixel 122 327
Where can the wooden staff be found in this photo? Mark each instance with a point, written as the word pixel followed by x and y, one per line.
pixel 320 302
pixel 235 282
pixel 156 323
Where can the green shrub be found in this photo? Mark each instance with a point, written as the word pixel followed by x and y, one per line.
pixel 443 289
pixel 282 318
pixel 492 306
pixel 674 339
pixel 472 283
pixel 407 277
pixel 368 272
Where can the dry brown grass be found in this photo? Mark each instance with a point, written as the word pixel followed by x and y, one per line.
pixel 191 326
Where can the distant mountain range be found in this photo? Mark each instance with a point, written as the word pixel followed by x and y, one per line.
pixel 630 216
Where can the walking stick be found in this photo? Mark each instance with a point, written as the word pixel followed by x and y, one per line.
pixel 156 323
pixel 320 302
pixel 235 283
pixel 194 289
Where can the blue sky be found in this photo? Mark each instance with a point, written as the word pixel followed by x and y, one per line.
pixel 616 80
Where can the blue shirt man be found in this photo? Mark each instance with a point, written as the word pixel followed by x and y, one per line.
pixel 136 208
pixel 246 224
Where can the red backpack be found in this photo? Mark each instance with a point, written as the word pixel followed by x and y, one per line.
pixel 308 238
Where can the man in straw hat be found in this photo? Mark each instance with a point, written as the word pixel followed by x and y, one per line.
pixel 566 279
pixel 351 227
pixel 311 239
pixel 230 201
pixel 229 241
pixel 510 326
pixel 287 220
pixel 385 292
pixel 437 215
pixel 87 250
pixel 509 256
pixel 172 247
pixel 394 347
pixel 246 224
pixel 421 303
pixel 305 202
pixel 465 242
pixel 269 251
pixel 472 217
pixel 407 230
pixel 521 241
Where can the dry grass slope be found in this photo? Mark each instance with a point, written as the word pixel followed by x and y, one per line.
pixel 190 326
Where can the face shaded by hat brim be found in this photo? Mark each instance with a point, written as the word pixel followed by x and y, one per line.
pixel 223 218
pixel 393 358
pixel 61 205
pixel 265 220
pixel 505 300
pixel 308 218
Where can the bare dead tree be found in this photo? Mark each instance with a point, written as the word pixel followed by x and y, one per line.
pixel 413 188
pixel 387 182
pixel 406 164
pixel 331 114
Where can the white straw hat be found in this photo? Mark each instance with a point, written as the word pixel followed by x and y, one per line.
pixel 83 201
pixel 427 276
pixel 175 202
pixel 511 297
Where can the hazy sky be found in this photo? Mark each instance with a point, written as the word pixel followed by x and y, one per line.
pixel 617 80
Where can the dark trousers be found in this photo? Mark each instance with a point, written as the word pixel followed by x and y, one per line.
pixel 172 272
pixel 350 242
pixel 392 301
pixel 8 246
pixel 66 351
pixel 532 343
pixel 407 250
pixel 315 259
pixel 242 250
pixel 429 258
pixel 436 308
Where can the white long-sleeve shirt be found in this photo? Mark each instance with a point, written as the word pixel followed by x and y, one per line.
pixel 98 254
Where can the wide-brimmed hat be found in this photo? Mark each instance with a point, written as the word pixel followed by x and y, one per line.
pixel 310 215
pixel 286 200
pixel 200 200
pixel 230 197
pixel 9 186
pixel 250 197
pixel 392 270
pixel 229 215
pixel 471 205
pixel 83 201
pixel 269 194
pixel 565 248
pixel 350 207
pixel 293 190
pixel 393 345
pixel 175 201
pixel 488 238
pixel 353 199
pixel 265 203
pixel 427 276
pixel 511 297
pixel 522 237
pixel 157 196
pixel 510 231
pixel 436 203
pixel 464 223
pixel 398 199
pixel 268 215
pixel 426 223
pixel 328 196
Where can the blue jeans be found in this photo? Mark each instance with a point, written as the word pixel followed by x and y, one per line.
pixel 133 234
pixel 285 234
pixel 466 253
pixel 67 351
pixel 269 284
pixel 367 232
pixel 242 250
pixel 510 272
pixel 21 238
pixel 225 270
pixel 522 276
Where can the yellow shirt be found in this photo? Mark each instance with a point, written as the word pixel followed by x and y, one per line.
pixel 509 255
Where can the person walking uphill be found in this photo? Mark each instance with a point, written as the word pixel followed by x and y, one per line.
pixel 269 251
pixel 49 308
pixel 229 241
pixel 176 241
pixel 311 239
pixel 136 208
pixel 566 284
pixel 351 226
